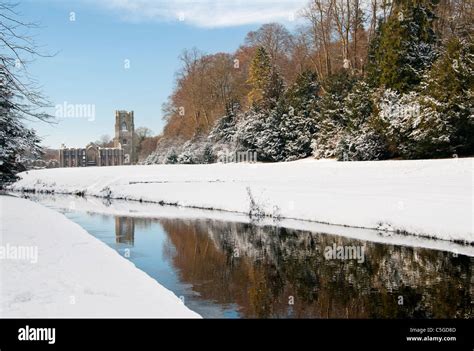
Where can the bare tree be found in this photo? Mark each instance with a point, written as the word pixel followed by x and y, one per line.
pixel 454 18
pixel 17 50
pixel 319 14
pixel 342 18
pixel 273 37
pixel 373 18
pixel 104 141
pixel 278 42
pixel 302 57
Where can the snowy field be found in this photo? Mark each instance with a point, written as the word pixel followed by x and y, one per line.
pixel 431 198
pixel 51 267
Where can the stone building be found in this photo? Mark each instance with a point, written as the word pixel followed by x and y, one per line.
pixel 123 152
pixel 125 136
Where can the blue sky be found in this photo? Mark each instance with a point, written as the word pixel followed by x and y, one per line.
pixel 93 50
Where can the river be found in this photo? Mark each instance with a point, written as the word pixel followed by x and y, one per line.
pixel 243 269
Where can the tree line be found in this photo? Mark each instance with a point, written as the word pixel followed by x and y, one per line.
pixel 358 81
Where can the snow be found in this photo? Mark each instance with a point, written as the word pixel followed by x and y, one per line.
pixel 431 198
pixel 73 275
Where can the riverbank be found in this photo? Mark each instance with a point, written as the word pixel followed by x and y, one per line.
pixel 429 198
pixel 52 268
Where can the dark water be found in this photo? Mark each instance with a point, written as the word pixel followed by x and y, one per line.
pixel 235 270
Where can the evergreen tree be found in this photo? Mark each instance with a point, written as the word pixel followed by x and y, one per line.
pixel 15 139
pixel 249 130
pixel 273 90
pixel 224 129
pixel 436 121
pixel 297 132
pixel 266 83
pixel 360 140
pixel 208 154
pixel 186 158
pixel 298 125
pixel 259 75
pixel 406 45
pixel 331 120
pixel 270 142
pixel 358 106
pixel 373 59
pixel 450 88
pixel 303 95
pixel 365 144
pixel 413 129
pixel 171 157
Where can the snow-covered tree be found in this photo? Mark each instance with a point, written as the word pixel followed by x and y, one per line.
pixel 359 139
pixel 364 144
pixel 330 119
pixel 358 106
pixel 171 157
pixel 413 128
pixel 196 151
pixel 16 141
pixel 249 130
pixel 186 158
pixel 298 121
pixel 270 142
pixel 224 130
pixel 297 131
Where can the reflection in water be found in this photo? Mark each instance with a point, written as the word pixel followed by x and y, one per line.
pixel 124 230
pixel 276 272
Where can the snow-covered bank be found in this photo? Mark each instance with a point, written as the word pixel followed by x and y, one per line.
pixel 425 197
pixel 72 273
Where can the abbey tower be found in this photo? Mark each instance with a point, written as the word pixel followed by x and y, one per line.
pixel 123 152
pixel 124 135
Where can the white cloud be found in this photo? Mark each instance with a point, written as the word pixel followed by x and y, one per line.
pixel 208 13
